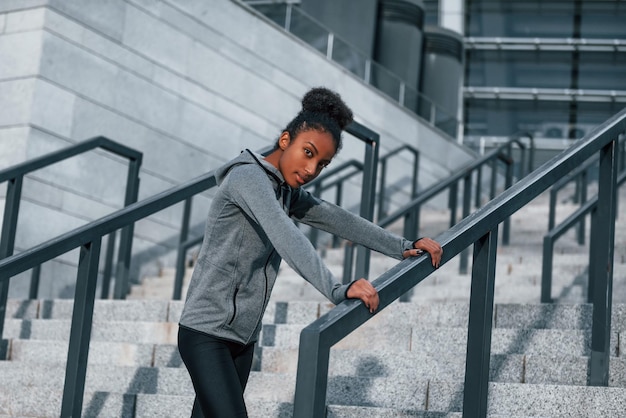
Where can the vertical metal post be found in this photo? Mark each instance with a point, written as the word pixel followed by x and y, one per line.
pixel 108 266
pixel 381 189
pixel 506 227
pixel 329 45
pixel 467 197
pixel 7 237
pixel 182 251
pixel 368 191
pixel 583 199
pixel 34 282
pixel 126 239
pixel 479 186
pixel 552 209
pixel 601 267
pixel 546 269
pixel 480 325
pixel 452 202
pixel 312 376
pixel 494 174
pixel 80 333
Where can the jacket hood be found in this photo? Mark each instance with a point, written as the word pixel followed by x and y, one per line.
pixel 248 157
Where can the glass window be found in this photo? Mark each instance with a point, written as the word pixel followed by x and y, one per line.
pixel 538 69
pixel 515 18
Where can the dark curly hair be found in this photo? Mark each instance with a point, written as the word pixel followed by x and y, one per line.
pixel 323 110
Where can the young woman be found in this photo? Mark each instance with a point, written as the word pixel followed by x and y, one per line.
pixel 249 231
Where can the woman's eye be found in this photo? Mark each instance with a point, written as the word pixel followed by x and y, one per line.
pixel 308 152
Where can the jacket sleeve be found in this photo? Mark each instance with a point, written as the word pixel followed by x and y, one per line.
pixel 251 189
pixel 331 218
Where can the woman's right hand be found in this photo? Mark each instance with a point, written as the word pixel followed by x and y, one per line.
pixel 363 289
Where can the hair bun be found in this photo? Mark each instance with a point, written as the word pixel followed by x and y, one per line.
pixel 325 101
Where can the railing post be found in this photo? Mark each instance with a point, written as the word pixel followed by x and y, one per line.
pixel 381 189
pixel 126 239
pixel 108 266
pixel 546 269
pixel 80 333
pixel 312 376
pixel 452 202
pixel 467 197
pixel 35 275
pixel 368 191
pixel 601 266
pixel 583 199
pixel 182 251
pixel 476 389
pixel 506 227
pixel 7 238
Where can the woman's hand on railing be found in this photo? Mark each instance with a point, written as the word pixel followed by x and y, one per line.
pixel 363 289
pixel 428 245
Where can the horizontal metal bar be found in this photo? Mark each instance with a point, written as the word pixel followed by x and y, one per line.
pixel 54 157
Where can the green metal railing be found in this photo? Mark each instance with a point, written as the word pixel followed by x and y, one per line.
pixel 481 230
pixel 410 211
pixel 577 218
pixel 14 176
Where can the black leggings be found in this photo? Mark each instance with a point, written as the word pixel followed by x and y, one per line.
pixel 219 371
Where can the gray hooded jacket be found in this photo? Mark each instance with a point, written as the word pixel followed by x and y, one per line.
pixel 248 231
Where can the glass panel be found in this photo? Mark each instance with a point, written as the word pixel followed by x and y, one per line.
pixel 308 30
pixel 603 19
pixel 505 117
pixel 349 57
pixel 275 12
pixel 602 71
pixel 385 81
pixel 515 18
pixel 539 69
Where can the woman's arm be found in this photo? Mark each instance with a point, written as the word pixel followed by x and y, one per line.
pixel 320 214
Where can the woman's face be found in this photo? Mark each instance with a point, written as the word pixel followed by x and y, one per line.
pixel 304 156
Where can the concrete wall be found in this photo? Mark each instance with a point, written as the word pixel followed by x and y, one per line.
pixel 189 83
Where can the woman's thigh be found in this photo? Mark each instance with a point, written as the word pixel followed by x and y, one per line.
pixel 219 372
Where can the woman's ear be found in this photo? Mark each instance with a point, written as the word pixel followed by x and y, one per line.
pixel 284 140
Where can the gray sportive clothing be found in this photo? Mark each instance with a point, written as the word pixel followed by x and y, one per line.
pixel 248 231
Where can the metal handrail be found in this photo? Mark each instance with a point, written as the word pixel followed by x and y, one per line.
pixel 14 177
pixel 481 231
pixel 580 175
pixel 89 239
pixel 383 176
pixel 556 232
pixel 410 211
pixel 319 185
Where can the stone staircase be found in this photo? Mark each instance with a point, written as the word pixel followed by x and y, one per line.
pixel 408 361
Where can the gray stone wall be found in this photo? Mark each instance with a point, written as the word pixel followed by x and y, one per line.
pixel 189 83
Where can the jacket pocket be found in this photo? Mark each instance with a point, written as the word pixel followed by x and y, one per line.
pixel 234 302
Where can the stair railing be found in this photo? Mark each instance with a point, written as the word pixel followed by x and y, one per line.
pixel 328 181
pixel 410 211
pixel 382 189
pixel 88 239
pixel 576 218
pixel 14 176
pixel 581 177
pixel 481 230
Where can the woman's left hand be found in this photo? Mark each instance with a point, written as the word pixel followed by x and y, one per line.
pixel 363 289
pixel 431 246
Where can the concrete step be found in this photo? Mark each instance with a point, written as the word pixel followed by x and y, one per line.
pixel 513 368
pixel 139 332
pixel 425 399
pixel 402 337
